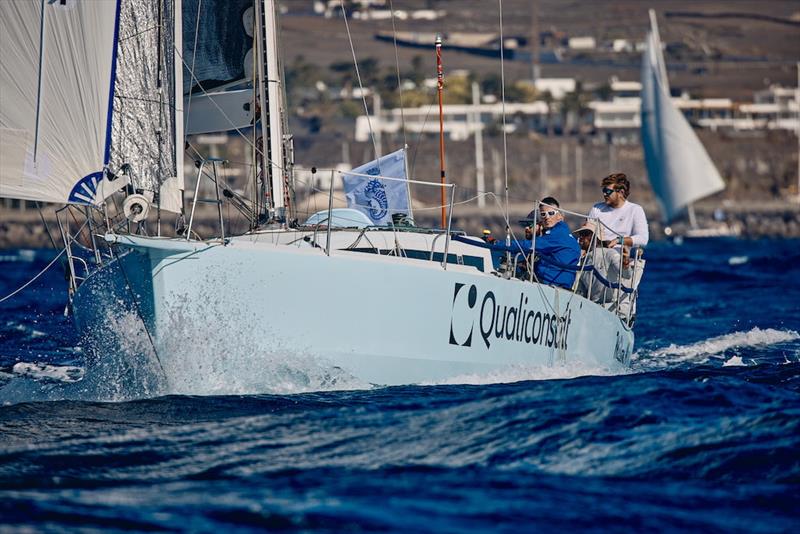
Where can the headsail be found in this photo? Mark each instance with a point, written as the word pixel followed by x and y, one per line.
pixel 679 168
pixel 56 78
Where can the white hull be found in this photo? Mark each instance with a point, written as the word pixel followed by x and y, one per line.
pixel 383 320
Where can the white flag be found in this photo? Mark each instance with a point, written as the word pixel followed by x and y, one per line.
pixel 378 199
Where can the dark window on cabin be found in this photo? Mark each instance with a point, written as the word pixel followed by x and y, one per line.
pixel 455 259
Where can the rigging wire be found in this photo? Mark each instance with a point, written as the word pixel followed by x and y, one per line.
pixel 360 84
pixel 32 280
pixel 141 318
pixel 225 115
pixel 194 58
pixel 503 99
pixel 399 81
pixel 421 133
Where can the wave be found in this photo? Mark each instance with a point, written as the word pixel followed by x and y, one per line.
pixel 520 373
pixel 709 424
pixel 715 348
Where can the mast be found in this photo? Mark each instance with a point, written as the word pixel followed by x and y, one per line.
pixel 271 123
pixel 440 89
pixel 178 95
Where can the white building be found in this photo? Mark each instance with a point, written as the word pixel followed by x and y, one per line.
pixel 582 43
pixel 557 87
pixel 459 119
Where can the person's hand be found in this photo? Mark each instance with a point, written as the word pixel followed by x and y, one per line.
pixel 626 257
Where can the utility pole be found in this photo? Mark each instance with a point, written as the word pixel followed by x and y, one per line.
pixel 612 159
pixel 378 127
pixel 578 173
pixel 542 174
pixel 480 180
pixel 535 67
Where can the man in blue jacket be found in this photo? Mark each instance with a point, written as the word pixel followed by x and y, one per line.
pixel 556 249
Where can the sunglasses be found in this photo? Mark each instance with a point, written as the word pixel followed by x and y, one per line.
pixel 546 214
pixel 607 191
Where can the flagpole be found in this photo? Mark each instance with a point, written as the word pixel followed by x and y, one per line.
pixel 440 78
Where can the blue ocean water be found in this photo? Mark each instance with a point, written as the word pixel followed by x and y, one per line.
pixel 702 433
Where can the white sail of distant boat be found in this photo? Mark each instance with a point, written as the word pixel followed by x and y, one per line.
pixel 679 168
pixel 382 303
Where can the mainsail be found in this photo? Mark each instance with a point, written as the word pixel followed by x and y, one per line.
pixel 56 81
pixel 679 168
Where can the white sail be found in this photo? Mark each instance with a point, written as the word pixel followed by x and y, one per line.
pixel 56 78
pixel 679 168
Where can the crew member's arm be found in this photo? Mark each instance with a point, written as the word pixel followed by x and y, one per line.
pixel 640 234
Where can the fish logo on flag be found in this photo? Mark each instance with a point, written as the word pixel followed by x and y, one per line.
pixel 377 198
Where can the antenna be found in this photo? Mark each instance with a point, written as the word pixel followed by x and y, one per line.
pixel 440 86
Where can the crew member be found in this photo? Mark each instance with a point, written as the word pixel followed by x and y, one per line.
pixel 598 260
pixel 555 247
pixel 624 221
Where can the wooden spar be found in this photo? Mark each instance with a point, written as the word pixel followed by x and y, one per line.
pixel 440 78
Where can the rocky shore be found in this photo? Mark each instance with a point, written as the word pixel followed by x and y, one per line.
pixel 24 229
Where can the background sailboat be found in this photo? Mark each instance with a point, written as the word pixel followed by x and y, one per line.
pixel 679 168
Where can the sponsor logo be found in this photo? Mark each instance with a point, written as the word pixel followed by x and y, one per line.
pixel 376 199
pixel 471 295
pixel 622 351
pixel 496 321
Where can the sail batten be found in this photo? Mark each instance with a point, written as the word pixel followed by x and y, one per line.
pixel 680 170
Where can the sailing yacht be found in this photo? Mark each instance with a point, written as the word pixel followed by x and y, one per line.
pixel 678 166
pixel 96 101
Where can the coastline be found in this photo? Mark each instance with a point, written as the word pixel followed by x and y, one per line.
pixel 776 219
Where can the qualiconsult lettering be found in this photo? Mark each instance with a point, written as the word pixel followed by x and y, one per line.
pixel 519 324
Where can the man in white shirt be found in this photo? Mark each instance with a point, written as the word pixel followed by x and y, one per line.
pixel 622 220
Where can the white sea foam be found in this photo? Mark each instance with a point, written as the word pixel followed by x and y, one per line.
pixel 26 329
pixel 224 360
pixel 715 347
pixel 734 361
pixel 738 260
pixel 520 373
pixel 59 373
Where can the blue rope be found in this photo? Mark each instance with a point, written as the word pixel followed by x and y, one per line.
pixel 520 249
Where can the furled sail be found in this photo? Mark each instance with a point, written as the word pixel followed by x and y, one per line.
pixel 679 168
pixel 217 55
pixel 217 43
pixel 144 117
pixel 56 78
